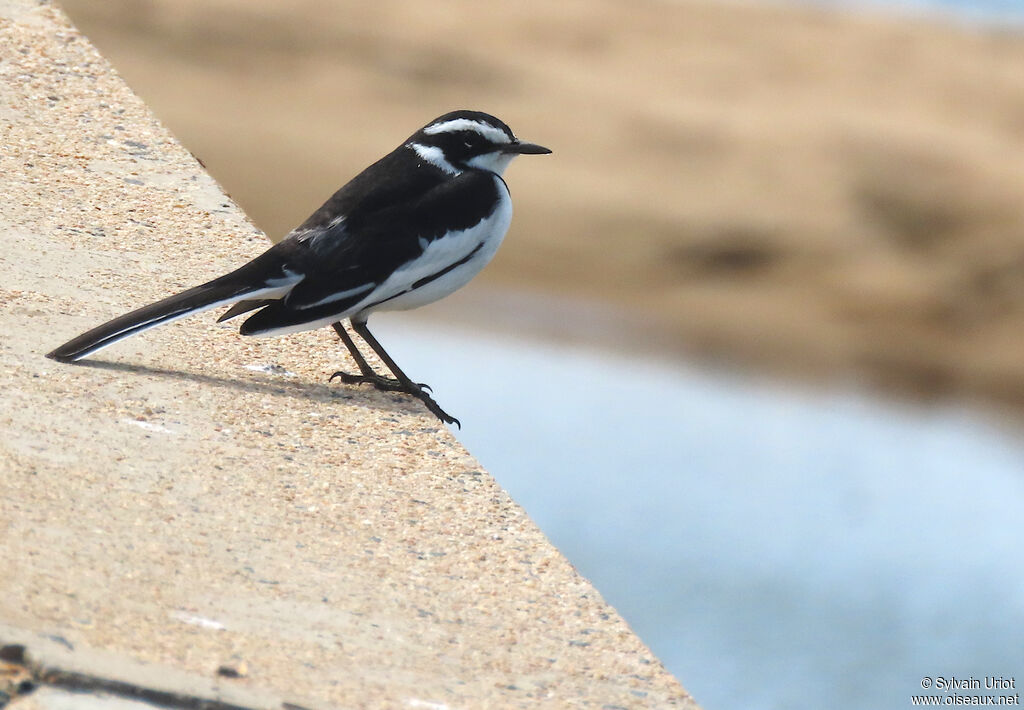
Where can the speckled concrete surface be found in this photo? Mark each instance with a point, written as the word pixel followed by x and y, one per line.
pixel 191 499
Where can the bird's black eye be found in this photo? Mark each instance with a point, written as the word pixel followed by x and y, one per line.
pixel 467 144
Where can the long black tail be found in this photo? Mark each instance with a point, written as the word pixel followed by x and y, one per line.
pixel 210 295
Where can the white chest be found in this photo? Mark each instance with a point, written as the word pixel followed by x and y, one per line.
pixel 447 264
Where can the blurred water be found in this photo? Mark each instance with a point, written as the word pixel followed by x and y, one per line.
pixel 776 549
pixel 987 11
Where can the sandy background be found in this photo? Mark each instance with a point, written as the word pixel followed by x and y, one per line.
pixel 788 188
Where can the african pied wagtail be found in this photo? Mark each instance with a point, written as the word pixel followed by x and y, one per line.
pixel 410 229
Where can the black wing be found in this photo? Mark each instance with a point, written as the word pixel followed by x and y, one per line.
pixel 345 259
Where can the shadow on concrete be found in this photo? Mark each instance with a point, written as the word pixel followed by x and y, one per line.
pixel 325 392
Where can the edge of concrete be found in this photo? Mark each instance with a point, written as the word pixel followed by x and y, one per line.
pixel 193 501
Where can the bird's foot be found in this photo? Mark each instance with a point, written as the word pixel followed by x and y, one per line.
pixel 388 384
pixel 385 384
pixel 436 410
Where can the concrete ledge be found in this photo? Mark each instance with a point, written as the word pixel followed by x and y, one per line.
pixel 193 501
pixel 33 662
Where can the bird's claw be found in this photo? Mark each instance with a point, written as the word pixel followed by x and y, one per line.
pixel 387 384
pixel 436 410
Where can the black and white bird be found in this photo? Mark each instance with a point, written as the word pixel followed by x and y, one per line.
pixel 410 229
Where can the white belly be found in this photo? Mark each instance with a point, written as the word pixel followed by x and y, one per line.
pixel 485 237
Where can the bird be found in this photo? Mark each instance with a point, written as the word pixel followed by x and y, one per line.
pixel 410 229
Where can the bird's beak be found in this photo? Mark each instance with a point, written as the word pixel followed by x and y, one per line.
pixel 525 149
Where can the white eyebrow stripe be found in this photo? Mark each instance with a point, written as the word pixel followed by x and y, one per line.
pixel 435 156
pixel 495 135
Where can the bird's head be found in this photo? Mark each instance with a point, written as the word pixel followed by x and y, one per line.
pixel 470 139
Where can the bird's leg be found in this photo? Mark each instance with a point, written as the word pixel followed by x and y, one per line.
pixel 409 386
pixel 368 376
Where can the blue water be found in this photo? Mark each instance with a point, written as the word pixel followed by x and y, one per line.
pixel 1010 12
pixel 775 548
